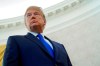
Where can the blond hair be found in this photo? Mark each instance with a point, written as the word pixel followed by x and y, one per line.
pixel 36 8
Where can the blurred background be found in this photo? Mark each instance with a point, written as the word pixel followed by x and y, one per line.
pixel 74 23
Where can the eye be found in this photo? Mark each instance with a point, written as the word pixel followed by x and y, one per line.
pixel 28 14
pixel 36 13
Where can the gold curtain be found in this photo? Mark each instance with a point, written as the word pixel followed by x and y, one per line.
pixel 2 48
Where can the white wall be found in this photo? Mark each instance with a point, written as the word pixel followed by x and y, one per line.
pixel 78 28
pixel 82 41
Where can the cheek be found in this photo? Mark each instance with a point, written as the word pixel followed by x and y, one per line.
pixel 41 19
pixel 27 24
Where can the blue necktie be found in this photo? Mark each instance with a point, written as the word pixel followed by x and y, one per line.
pixel 48 47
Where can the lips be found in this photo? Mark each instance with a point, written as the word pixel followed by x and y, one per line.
pixel 33 21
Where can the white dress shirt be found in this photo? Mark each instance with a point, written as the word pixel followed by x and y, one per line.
pixel 35 34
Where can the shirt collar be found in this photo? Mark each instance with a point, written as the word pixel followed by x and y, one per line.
pixel 35 34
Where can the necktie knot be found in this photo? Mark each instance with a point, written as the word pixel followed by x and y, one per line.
pixel 39 36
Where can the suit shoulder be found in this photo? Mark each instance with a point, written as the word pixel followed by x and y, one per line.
pixel 57 42
pixel 16 36
pixel 54 42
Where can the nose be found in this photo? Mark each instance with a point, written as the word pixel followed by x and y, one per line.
pixel 33 16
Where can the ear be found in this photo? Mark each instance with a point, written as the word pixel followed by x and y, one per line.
pixel 44 23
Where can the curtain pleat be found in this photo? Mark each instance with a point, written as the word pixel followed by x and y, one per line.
pixel 2 49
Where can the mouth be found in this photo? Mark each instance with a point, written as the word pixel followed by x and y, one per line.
pixel 33 21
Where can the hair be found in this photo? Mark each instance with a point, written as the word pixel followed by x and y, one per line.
pixel 36 8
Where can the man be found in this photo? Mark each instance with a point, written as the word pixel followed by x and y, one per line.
pixel 34 49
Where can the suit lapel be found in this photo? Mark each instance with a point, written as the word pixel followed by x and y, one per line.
pixel 37 41
pixel 55 48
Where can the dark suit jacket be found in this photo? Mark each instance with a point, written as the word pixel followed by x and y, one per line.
pixel 27 50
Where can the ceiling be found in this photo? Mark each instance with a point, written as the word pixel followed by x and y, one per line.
pixel 5 3
pixel 14 8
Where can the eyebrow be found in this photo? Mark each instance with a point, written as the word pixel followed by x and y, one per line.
pixel 35 12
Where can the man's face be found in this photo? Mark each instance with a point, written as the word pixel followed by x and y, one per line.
pixel 34 20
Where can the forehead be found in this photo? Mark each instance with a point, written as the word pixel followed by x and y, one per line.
pixel 33 9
